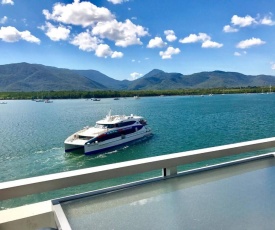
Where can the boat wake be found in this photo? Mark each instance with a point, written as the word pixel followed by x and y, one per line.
pixel 48 150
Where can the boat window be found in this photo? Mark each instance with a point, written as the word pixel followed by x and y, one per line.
pixel 113 135
pixel 92 141
pixel 102 138
pixel 84 137
pixel 128 131
pixel 123 124
pixel 99 126
pixel 131 130
pixel 105 126
pixel 109 135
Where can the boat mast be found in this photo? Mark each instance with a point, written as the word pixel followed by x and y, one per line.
pixel 109 115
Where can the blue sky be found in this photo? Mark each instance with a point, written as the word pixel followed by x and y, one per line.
pixel 126 39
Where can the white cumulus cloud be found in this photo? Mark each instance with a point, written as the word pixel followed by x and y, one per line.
pixel 243 21
pixel 229 29
pixel 135 75
pixel 123 33
pixel 156 42
pixel 246 21
pixel 3 20
pixel 240 53
pixel 103 50
pixel 192 38
pixel 117 54
pixel 4 2
pixel 170 35
pixel 117 1
pixel 11 34
pixel 203 38
pixel 78 13
pixel 249 43
pixel 167 54
pixel 267 21
pixel 56 33
pixel 27 36
pixel 273 65
pixel 211 44
pixel 85 41
pixel 101 25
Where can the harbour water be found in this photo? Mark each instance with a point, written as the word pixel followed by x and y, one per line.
pixel 32 133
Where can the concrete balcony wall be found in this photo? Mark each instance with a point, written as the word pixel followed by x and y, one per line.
pixel 28 217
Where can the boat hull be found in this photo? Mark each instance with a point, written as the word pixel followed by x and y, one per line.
pixel 73 145
pixel 115 142
pixel 73 148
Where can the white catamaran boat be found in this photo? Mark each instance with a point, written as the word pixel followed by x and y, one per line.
pixel 112 131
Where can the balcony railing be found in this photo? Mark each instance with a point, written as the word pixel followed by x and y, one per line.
pixel 168 164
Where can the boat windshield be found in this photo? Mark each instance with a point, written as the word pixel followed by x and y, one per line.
pixel 85 137
pixel 104 126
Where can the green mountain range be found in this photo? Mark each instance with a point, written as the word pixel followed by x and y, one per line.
pixel 26 77
pixel 103 79
pixel 157 79
pixel 35 77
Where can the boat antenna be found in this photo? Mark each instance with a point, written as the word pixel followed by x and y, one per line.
pixel 108 116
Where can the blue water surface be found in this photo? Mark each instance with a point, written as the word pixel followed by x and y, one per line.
pixel 32 134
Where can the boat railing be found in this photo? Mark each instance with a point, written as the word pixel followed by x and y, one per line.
pixel 167 163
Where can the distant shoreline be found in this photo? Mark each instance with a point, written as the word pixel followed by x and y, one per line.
pixel 121 93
